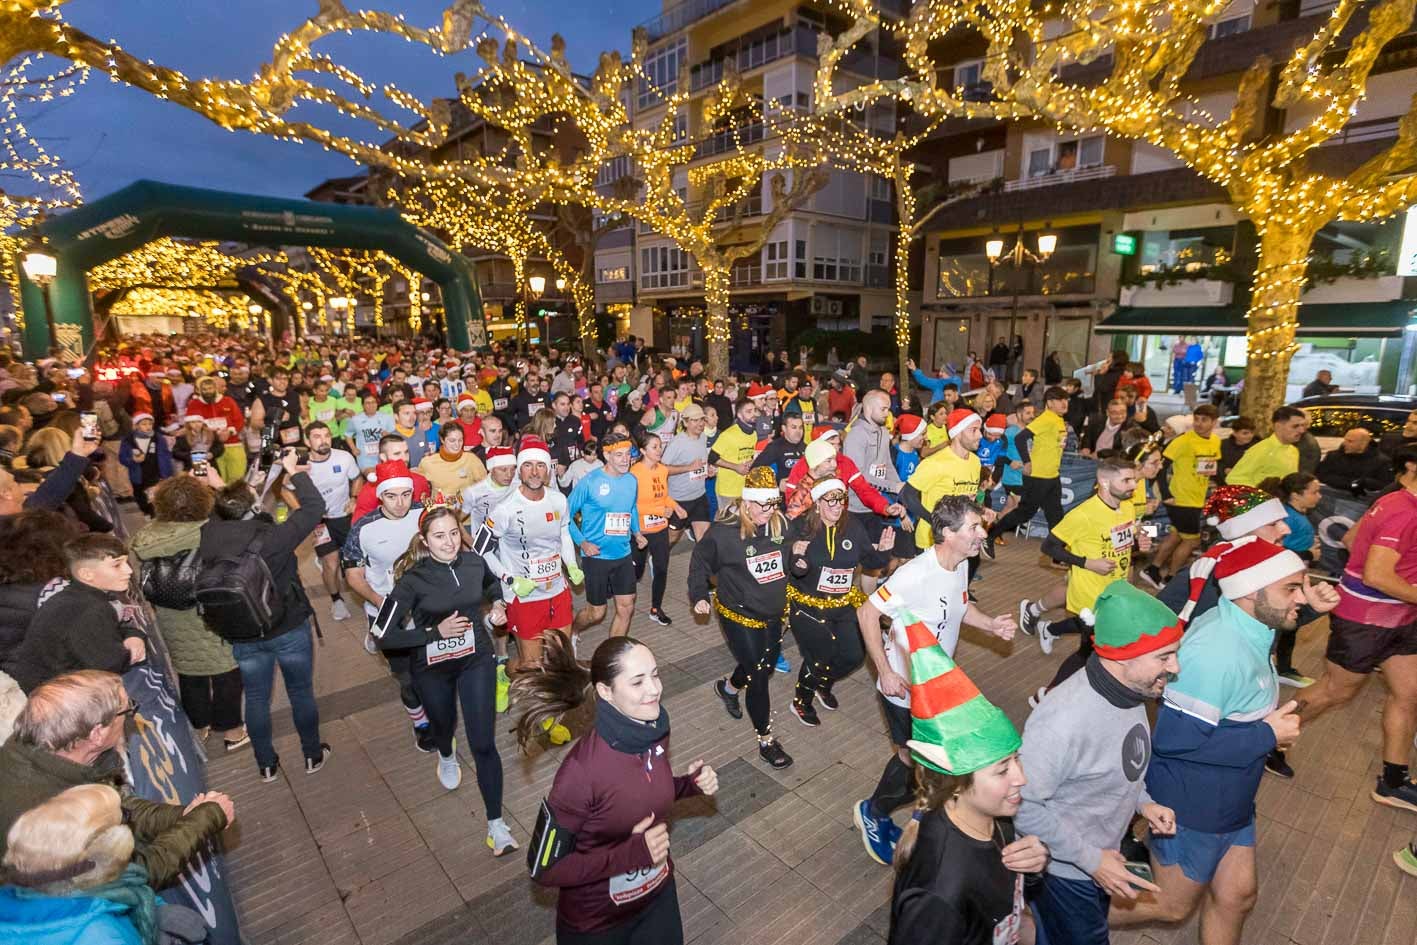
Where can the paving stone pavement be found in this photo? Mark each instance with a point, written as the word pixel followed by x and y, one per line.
pixel 372 850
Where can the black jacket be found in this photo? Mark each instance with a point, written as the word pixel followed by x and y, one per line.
pixel 850 540
pixel 724 553
pixel 1230 453
pixel 18 603
pixel 76 629
pixel 1092 428
pixel 1368 471
pixel 780 455
pixel 429 592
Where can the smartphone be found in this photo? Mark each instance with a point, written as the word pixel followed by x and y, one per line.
pixel 199 463
pixel 1140 870
pixel 1150 530
pixel 59 397
pixel 75 373
pixel 88 423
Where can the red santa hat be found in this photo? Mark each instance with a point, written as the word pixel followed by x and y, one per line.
pixel 140 416
pixel 466 398
pixel 997 422
pixel 823 431
pixel 910 427
pixel 533 450
pixel 499 456
pixel 422 403
pixel 961 419
pixel 756 390
pixel 1250 563
pixel 391 474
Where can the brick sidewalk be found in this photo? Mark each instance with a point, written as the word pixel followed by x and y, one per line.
pixel 372 850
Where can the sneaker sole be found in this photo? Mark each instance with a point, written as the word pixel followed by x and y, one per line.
pixel 804 721
pixel 1295 684
pixel 1047 645
pixel 1396 802
pixel 272 778
pixel 861 828
pixel 239 743
pixel 1157 585
pixel 511 847
pixel 1405 862
pixel 1024 620
pixel 1279 774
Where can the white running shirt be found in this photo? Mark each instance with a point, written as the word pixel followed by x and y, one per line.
pixel 481 497
pixel 375 544
pixel 935 596
pixel 332 477
pixel 533 539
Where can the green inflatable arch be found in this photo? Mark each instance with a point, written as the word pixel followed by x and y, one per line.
pixel 146 210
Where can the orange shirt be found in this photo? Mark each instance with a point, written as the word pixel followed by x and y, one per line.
pixel 652 498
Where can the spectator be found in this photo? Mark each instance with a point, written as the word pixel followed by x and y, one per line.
pixel 78 628
pixel 1321 386
pixel 34 557
pixel 999 357
pixel 289 640
pixel 1134 376
pixel 1142 414
pixel 1395 440
pixel 1104 431
pixel 1242 437
pixel 46 453
pixel 1079 404
pixel 147 458
pixel 71 732
pixel 1107 377
pixel 1052 370
pixel 1309 449
pixel 1356 466
pixel 207 676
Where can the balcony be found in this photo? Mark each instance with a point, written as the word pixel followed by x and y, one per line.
pixel 752 53
pixel 1374 130
pixel 1054 178
pixel 1189 293
pixel 1350 290
pixel 730 139
pixel 680 16
pixel 743 209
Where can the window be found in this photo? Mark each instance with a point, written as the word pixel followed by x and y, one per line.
pixel 1040 162
pixel 799 259
pixel 837 255
pixel 615 274
pixel 879 257
pixel 615 169
pixel 1236 24
pixel 1090 151
pixel 880 187
pixel 1066 156
pixel 663 267
pixel 775 260
pixel 662 73
pixel 681 126
pixel 967 74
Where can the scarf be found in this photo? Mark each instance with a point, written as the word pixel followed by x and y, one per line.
pixel 1109 687
pixel 628 735
pixel 130 889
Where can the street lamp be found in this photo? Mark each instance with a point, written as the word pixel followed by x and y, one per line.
pixel 561 284
pixel 1018 256
pixel 537 284
pixel 40 267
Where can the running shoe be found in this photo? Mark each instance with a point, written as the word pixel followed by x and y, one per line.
pixel 449 771
pixel 730 700
pixel 1026 621
pixel 370 646
pixel 315 764
pixel 1403 797
pixel 1276 765
pixel 782 665
pixel 339 610
pixel 423 739
pixel 270 772
pixel 556 733
pixel 504 688
pixel 1046 639
pixel 659 617
pixel 828 701
pixel 1037 697
pixel 988 548
pixel 1295 679
pixel 234 743
pixel 972 597
pixel 1406 859
pixel 772 753
pixel 1151 574
pixel 805 713
pixel 878 834
pixel 499 837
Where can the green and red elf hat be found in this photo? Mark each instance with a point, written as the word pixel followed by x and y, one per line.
pixel 955 729
pixel 1128 623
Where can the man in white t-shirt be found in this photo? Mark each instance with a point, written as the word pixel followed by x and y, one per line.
pixel 933 586
pixel 336 474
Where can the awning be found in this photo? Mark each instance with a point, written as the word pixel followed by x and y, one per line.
pixel 1359 319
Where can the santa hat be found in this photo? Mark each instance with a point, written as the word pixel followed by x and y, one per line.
pixel 194 418
pixel 954 729
pixel 824 431
pixel 533 450
pixel 760 485
pixel 910 427
pixel 996 422
pixel 961 419
pixel 817 452
pixel 141 416
pixel 1250 563
pixel 827 486
pixel 1128 623
pixel 422 403
pixel 1236 511
pixel 759 390
pixel 391 474
pixel 499 456
pixel 466 398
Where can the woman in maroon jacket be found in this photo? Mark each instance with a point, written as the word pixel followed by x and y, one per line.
pixel 614 792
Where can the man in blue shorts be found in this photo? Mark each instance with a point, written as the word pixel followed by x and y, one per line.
pixel 602 508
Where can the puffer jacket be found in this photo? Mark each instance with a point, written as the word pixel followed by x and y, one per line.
pixel 64 920
pixel 18 602
pixel 195 650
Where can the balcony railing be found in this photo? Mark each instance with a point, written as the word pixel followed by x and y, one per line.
pixel 1096 172
pixel 748 207
pixel 681 15
pixel 750 54
pixel 1374 130
pixel 729 139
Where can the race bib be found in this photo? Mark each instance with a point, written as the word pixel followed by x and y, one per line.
pixel 700 472
pixel 544 570
pixel 322 535
pixel 1205 466
pixel 835 580
pixel 1123 535
pixel 877 471
pixel 636 884
pixel 534 408
pixel 499 404
pixel 369 449
pixel 653 521
pixel 440 651
pixel 617 524
pixel 325 415
pixel 215 424
pixel 767 567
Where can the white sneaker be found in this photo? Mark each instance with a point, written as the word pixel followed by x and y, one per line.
pixel 499 837
pixel 449 771
pixel 1045 639
pixel 370 646
pixel 1037 697
pixel 339 610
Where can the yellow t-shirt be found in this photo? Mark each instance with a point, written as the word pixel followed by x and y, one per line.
pixel 1267 458
pixel 1194 461
pixel 737 447
pixel 1092 530
pixel 1045 453
pixel 483 400
pixel 1139 499
pixel 938 475
pixel 934 435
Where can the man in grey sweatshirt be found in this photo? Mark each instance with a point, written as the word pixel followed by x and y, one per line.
pixel 868 444
pixel 1086 749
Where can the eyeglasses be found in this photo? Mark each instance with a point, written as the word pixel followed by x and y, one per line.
pixel 835 498
pixel 128 713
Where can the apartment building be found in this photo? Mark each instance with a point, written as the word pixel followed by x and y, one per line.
pixel 1149 256
pixel 827 265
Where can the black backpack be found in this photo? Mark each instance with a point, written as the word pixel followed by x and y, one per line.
pixel 235 594
pixel 171 581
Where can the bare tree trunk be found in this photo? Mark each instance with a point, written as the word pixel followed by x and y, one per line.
pixel 1273 317
pixel 718 328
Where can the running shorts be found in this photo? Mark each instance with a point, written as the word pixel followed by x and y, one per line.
pixel 606 579
pixel 330 536
pixel 528 619
pixel 1361 648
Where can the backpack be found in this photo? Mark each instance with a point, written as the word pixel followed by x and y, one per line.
pixel 235 593
pixel 170 581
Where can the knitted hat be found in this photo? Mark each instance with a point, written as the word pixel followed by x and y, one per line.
pixel 826 487
pixel 1239 510
pixel 1128 623
pixel 1248 564
pixel 961 419
pixel 955 730
pixel 391 474
pixel 499 456
pixel 910 427
pixel 996 422
pixel 533 450
pixel 760 485
pixel 818 451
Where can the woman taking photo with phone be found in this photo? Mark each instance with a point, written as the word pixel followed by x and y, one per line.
pixel 603 834
pixel 436 612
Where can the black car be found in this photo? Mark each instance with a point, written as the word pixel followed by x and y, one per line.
pixel 1333 415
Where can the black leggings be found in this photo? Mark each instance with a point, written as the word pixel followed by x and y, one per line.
pixel 1037 493
pixel 212 701
pixel 658 924
pixel 1077 659
pixel 473 682
pixel 658 550
pixel 756 651
pixel 830 641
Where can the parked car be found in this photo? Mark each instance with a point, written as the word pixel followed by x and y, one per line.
pixel 1333 415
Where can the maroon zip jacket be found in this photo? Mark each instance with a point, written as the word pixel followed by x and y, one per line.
pixel 600 794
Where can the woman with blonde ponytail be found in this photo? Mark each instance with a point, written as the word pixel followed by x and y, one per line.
pixel 603 834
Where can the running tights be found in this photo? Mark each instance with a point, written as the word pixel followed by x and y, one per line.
pixel 830 641
pixel 471 681
pixel 657 550
pixel 756 651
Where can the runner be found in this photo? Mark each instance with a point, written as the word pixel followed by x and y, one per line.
pixel 687 457
pixel 437 610
pixel 931 588
pixel 733 450
pixel 1192 460
pixel 374 545
pixel 745 553
pixel 604 515
pixel 336 475
pixel 655 508
pixel 391 447
pixel 481 497
pixel 1040 450
pixel 868 445
pixel 365 430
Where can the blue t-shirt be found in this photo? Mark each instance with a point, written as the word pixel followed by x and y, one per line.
pixel 1301 531
pixel 607 511
pixel 905 463
pixel 365 432
pixel 1012 477
pixel 990 451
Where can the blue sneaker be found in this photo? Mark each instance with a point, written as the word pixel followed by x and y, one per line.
pixel 783 666
pixel 878 834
